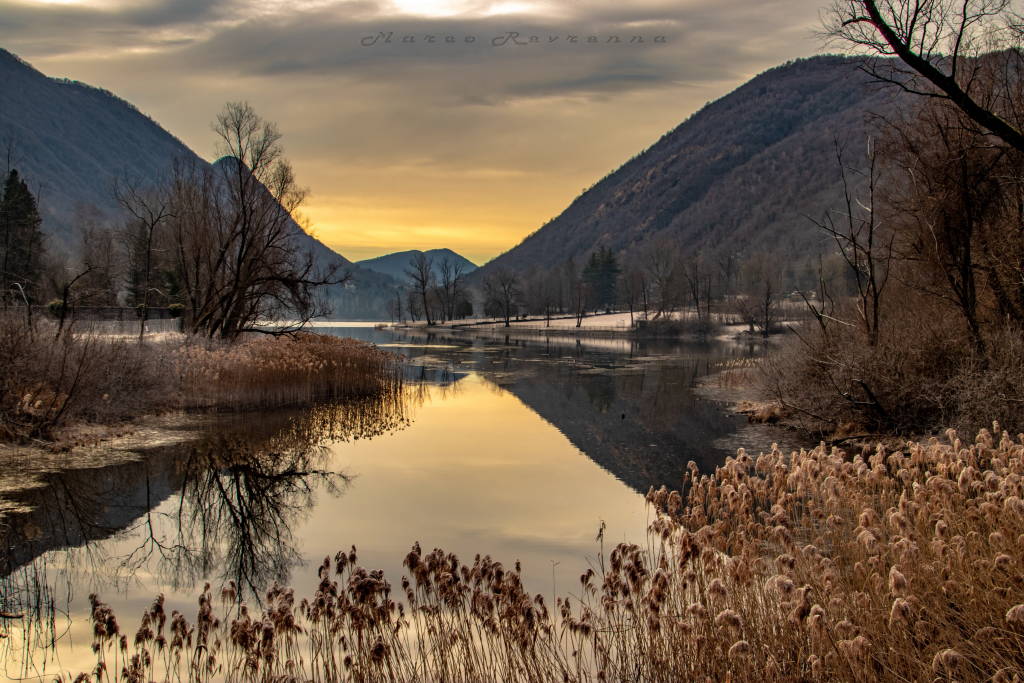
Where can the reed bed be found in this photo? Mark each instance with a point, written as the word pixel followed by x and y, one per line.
pixel 272 372
pixel 54 378
pixel 735 373
pixel 816 566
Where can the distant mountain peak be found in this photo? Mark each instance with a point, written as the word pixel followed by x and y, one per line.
pixel 396 264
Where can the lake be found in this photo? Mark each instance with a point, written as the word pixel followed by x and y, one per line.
pixel 517 448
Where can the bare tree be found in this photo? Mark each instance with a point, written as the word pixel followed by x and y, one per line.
pixel 148 209
pixel 452 285
pixel 577 291
pixel 502 290
pixel 550 290
pixel 541 292
pixel 956 205
pixel 396 307
pixel 761 293
pixel 414 305
pixel 421 278
pixel 939 44
pixel 98 258
pixel 697 278
pixel 661 259
pixel 66 288
pixel 237 245
pixel 632 288
pixel 866 250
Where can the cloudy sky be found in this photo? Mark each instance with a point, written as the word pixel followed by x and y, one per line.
pixel 470 140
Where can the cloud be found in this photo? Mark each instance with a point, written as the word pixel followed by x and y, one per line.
pixel 438 134
pixel 233 38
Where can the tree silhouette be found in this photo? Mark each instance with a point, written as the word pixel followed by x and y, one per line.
pixel 21 241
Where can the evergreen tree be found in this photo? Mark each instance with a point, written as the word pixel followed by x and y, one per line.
pixel 601 275
pixel 21 241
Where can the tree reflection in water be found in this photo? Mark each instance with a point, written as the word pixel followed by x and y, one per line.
pixel 244 489
pixel 222 508
pixel 236 510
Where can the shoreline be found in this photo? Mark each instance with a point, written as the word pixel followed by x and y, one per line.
pixel 728 332
pixel 23 467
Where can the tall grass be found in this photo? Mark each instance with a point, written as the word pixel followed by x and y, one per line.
pixel 273 372
pixel 818 566
pixel 54 378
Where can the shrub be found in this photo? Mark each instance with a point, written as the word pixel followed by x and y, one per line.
pixel 922 374
pixel 50 379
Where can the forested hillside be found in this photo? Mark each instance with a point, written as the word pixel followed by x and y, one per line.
pixel 739 176
pixel 70 141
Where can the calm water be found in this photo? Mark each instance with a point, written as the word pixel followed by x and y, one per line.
pixel 517 449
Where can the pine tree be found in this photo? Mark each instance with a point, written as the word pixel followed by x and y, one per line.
pixel 21 241
pixel 601 275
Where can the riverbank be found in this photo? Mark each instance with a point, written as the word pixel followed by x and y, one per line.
pixel 674 325
pixel 25 466
pixel 740 387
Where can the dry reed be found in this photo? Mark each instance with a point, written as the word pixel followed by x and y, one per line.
pixel 54 378
pixel 272 372
pixel 817 566
pixel 49 379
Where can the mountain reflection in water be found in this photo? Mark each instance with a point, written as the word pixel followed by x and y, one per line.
pixel 630 406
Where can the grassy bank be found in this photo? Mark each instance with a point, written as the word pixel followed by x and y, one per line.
pixel 54 381
pixel 818 566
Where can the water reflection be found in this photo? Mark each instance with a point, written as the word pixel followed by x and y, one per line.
pixel 235 515
pixel 242 497
pixel 221 508
pixel 631 406
pixel 510 454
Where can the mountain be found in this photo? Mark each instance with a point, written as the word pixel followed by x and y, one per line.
pixel 397 263
pixel 740 175
pixel 70 141
pixel 324 255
